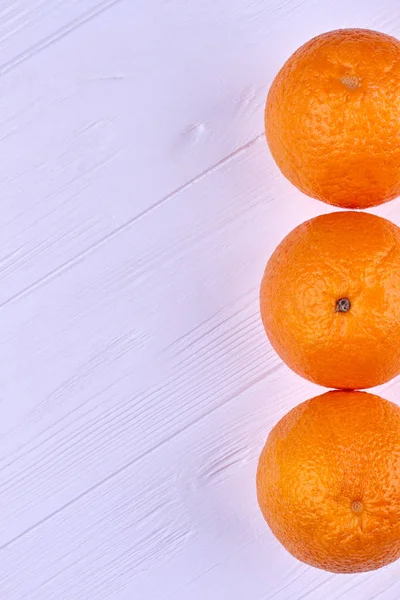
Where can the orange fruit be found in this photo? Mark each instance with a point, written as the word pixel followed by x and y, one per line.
pixel 330 300
pixel 328 482
pixel 333 118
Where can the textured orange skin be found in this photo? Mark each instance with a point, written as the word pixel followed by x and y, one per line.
pixel 341 255
pixel 333 118
pixel 323 456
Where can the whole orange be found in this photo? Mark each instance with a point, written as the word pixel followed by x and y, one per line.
pixel 330 300
pixel 333 118
pixel 328 481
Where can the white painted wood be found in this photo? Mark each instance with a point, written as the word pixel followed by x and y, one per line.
pixel 139 206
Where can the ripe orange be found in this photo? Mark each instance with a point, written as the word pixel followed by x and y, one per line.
pixel 333 118
pixel 328 481
pixel 330 300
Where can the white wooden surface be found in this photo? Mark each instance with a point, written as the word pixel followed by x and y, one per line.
pixel 139 205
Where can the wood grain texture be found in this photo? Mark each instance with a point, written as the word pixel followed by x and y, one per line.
pixel 139 206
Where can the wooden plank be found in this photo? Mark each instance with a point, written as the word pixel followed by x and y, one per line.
pixel 139 205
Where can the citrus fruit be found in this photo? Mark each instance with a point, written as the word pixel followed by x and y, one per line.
pixel 330 300
pixel 328 481
pixel 333 118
